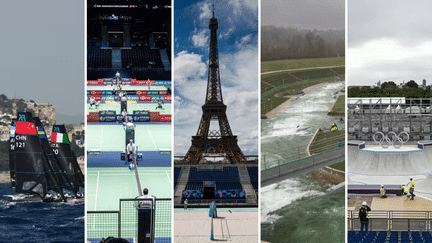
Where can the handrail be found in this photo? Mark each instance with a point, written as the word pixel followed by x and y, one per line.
pixel 302 158
pixel 393 220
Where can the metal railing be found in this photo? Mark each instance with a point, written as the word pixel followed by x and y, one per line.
pixel 297 153
pixel 393 220
pixel 217 201
pixel 179 160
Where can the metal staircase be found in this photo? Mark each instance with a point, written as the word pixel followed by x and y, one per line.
pixel 181 185
pixel 165 59
pixel 116 59
pixel 244 177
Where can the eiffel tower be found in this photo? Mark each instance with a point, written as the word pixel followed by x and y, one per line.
pixel 222 141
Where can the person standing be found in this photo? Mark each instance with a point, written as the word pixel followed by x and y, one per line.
pixel 213 210
pixel 411 188
pixel 364 216
pixel 185 204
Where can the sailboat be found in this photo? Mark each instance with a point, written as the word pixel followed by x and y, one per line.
pixel 57 175
pixel 35 172
pixel 11 154
pixel 60 145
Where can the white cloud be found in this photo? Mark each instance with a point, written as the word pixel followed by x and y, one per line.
pixel 240 68
pixel 200 38
pixel 239 5
pixel 244 41
pixel 177 42
pixel 226 34
pixel 206 10
pixel 388 59
pixel 188 66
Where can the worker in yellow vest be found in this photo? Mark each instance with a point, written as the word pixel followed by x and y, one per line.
pixel 364 216
pixel 411 188
pixel 404 190
pixel 382 192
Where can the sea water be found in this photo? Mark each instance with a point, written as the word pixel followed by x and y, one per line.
pixel 39 222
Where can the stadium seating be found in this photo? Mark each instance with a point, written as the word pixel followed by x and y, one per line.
pixel 225 180
pixel 98 59
pixel 141 59
pixel 177 171
pixel 389 237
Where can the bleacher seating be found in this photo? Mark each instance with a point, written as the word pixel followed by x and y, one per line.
pixel 177 171
pixel 98 59
pixel 141 59
pixel 389 237
pixel 225 180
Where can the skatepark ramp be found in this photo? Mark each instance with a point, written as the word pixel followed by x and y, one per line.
pixel 376 165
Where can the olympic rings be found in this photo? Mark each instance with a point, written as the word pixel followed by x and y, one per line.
pixel 390 139
pixel 219 148
pixel 209 148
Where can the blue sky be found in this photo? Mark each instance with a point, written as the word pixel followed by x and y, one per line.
pixel 238 61
pixel 42 54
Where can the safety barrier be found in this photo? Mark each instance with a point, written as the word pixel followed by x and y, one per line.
pixel 126 81
pixel 393 220
pixel 137 116
pixel 219 194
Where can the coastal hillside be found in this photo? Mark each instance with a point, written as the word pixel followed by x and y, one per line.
pixel 9 109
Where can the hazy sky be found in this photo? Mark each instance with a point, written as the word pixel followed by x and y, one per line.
pixel 304 14
pixel 389 40
pixel 238 61
pixel 42 53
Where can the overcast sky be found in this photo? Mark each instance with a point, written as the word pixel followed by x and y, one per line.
pixel 42 53
pixel 304 14
pixel 389 40
pixel 238 61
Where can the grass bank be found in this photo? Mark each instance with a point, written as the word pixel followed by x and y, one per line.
pixel 269 66
pixel 338 108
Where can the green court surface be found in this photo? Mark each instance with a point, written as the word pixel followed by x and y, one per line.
pixel 113 137
pixel 131 107
pixel 106 186
pixel 126 87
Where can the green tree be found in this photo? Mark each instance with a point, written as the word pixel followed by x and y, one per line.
pixel 412 84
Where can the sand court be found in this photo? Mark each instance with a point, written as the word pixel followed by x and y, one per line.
pixel 232 227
